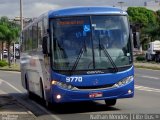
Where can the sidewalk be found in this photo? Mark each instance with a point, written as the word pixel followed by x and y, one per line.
pixel 153 66
pixel 11 109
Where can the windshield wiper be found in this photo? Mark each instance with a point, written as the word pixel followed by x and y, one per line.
pixel 77 60
pixel 109 57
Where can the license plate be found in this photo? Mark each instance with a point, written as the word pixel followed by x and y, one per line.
pixel 95 95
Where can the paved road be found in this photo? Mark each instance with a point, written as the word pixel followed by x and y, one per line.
pixel 147 78
pixel 146 100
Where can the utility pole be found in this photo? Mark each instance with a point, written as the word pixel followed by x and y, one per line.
pixel 21 22
pixel 21 15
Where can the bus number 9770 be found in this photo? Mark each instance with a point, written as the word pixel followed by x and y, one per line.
pixel 73 79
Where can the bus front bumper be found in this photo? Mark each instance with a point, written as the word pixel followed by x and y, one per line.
pixel 60 95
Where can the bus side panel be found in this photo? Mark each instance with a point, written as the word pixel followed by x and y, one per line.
pixel 36 69
pixel 23 66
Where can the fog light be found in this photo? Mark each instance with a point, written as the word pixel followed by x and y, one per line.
pixel 54 82
pixel 129 91
pixel 58 96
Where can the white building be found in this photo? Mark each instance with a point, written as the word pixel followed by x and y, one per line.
pixel 153 5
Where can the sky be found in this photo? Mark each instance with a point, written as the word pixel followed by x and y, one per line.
pixel 34 8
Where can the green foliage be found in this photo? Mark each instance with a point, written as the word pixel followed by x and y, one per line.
pixel 3 32
pixel 4 19
pixel 140 58
pixel 3 63
pixel 149 22
pixel 152 31
pixel 141 15
pixel 158 14
pixel 9 32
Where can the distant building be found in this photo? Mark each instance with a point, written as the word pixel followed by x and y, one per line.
pixel 26 21
pixel 153 5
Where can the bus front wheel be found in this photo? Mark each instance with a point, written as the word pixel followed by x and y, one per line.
pixel 111 102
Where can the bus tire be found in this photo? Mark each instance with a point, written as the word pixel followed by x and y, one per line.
pixel 111 102
pixel 42 89
pixel 30 94
pixel 26 83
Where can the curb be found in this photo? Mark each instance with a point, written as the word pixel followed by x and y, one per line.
pixel 146 67
pixel 9 70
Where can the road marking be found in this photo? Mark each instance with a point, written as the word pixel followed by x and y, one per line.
pixel 4 112
pixel 143 88
pixel 150 77
pixel 147 69
pixel 42 108
pixel 3 81
pixel 50 114
pixel 145 76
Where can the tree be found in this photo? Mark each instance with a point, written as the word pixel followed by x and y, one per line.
pixel 3 32
pixel 147 21
pixel 11 37
pixel 141 15
pixel 9 32
pixel 158 14
pixel 158 19
pixel 2 37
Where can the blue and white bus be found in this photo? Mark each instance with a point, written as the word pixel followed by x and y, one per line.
pixel 78 54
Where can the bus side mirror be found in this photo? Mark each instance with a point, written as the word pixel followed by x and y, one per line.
pixel 45 45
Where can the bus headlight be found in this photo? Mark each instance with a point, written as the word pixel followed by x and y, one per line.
pixel 63 85
pixel 124 81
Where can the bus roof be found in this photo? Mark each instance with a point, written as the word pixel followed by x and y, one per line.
pixel 85 11
pixel 78 11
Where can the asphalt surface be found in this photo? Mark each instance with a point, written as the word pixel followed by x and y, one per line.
pixel 148 78
pixel 146 99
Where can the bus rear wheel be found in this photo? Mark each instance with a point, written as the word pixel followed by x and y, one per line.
pixel 111 102
pixel 30 94
pixel 26 83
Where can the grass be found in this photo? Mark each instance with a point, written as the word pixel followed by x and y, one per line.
pixel 13 67
pixel 147 67
pixel 151 65
pixel 144 61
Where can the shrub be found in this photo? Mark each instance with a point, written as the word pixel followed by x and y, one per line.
pixel 140 58
pixel 3 63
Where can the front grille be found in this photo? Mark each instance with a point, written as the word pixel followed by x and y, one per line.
pixel 95 87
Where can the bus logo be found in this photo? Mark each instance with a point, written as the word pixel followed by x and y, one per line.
pixel 95 82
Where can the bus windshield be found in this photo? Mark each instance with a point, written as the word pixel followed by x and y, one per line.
pixel 81 43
